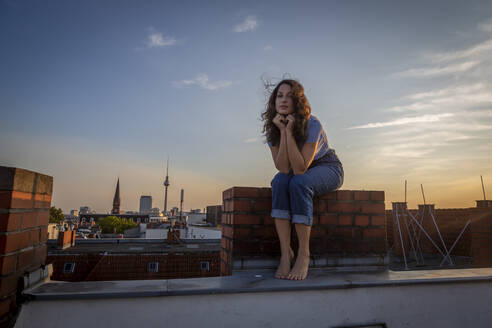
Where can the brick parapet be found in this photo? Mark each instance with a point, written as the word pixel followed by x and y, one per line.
pixel 25 199
pixel 481 241
pixel 484 203
pixel 345 223
pixel 450 222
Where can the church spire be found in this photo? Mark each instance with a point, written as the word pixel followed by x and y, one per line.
pixel 116 199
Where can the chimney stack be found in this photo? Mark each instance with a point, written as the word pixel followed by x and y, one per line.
pixel 66 239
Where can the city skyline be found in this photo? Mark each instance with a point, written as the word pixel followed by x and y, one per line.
pixel 90 92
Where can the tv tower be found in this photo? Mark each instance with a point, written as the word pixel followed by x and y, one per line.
pixel 166 184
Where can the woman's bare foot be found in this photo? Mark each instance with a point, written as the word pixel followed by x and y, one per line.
pixel 300 269
pixel 284 267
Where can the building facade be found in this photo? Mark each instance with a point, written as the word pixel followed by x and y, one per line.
pixel 93 260
pixel 214 214
pixel 145 204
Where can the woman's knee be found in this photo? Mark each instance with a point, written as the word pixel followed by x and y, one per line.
pixel 298 183
pixel 280 181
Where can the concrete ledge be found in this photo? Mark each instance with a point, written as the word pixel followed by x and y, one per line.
pixel 36 277
pixel 365 263
pixel 251 281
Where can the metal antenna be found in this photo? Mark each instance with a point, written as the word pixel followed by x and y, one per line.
pixel 167 168
pixel 181 205
pixel 166 185
pixel 483 189
pixel 405 191
pixel 423 196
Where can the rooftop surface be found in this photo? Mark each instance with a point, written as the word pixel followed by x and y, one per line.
pixel 125 246
pixel 250 281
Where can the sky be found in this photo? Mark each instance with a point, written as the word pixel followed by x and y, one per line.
pixel 95 90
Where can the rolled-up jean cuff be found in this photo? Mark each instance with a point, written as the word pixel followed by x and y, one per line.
pixel 280 214
pixel 297 218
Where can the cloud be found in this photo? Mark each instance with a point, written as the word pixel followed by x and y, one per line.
pixel 471 52
pixel 267 47
pixel 408 149
pixel 417 106
pixel 424 134
pixel 485 26
pixel 157 40
pixel 479 113
pixel 404 121
pixel 460 89
pixel 457 97
pixel 203 82
pixel 252 140
pixel 249 24
pixel 465 127
pixel 437 71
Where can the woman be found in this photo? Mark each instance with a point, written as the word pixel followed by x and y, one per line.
pixel 307 167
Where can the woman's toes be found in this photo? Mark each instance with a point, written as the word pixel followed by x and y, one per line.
pixel 283 268
pixel 300 269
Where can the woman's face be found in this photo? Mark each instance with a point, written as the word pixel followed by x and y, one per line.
pixel 283 103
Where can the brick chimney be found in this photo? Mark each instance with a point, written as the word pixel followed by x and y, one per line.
pixel 66 239
pixel 25 199
pixel 172 235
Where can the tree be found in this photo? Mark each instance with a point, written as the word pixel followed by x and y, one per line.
pixel 56 215
pixel 109 223
pixel 125 224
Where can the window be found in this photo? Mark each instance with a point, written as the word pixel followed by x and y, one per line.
pixel 153 267
pixel 205 265
pixel 68 267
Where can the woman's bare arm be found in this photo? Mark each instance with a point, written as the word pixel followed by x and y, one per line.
pixel 279 154
pixel 298 159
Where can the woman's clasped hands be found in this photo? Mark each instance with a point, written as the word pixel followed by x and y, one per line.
pixel 284 122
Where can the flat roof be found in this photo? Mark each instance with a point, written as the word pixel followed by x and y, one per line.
pixel 252 281
pixel 129 247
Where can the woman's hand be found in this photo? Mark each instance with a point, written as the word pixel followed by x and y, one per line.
pixel 290 122
pixel 280 121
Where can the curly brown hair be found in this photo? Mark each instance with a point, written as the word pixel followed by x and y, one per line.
pixel 302 112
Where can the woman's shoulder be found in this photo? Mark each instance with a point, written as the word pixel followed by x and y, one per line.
pixel 313 121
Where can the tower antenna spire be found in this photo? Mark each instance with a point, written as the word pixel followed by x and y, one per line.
pixel 166 185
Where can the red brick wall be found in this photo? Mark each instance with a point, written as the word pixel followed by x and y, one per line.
pixel 93 267
pixel 481 243
pixel 25 198
pixel 389 227
pixel 345 223
pixel 450 223
pixel 484 203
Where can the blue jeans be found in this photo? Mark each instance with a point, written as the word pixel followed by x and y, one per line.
pixel 292 195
